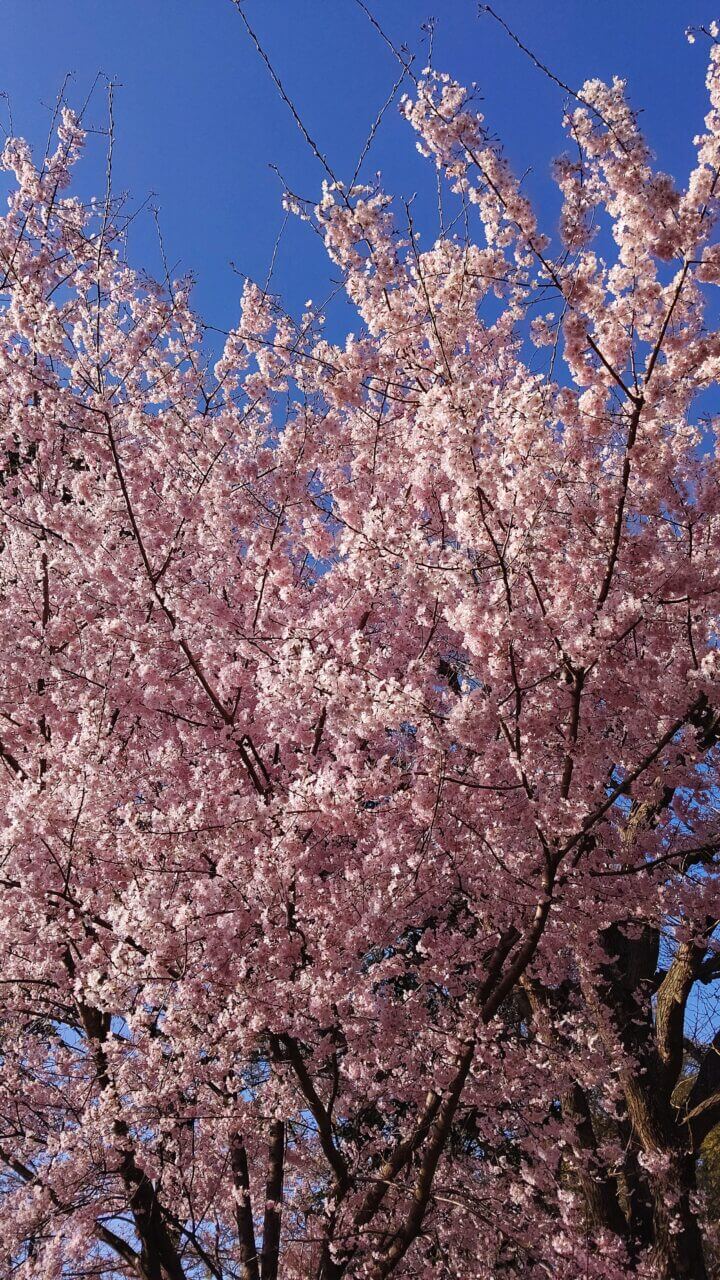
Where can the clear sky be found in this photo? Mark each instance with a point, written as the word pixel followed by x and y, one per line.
pixel 199 122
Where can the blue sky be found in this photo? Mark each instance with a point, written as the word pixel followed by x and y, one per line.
pixel 199 122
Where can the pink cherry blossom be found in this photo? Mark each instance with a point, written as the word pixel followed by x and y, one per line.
pixel 359 738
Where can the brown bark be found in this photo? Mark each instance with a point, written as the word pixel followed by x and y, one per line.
pixel 159 1258
pixel 648 1076
pixel 599 1190
pixel 272 1220
pixel 243 1211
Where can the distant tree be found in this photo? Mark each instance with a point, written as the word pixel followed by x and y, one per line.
pixel 359 736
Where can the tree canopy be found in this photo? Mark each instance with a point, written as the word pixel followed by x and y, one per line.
pixel 359 733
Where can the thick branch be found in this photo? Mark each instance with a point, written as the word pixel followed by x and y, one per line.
pixel 243 1211
pixel 273 1201
pixel 319 1112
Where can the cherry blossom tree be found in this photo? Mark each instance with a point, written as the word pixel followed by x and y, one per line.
pixel 358 734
